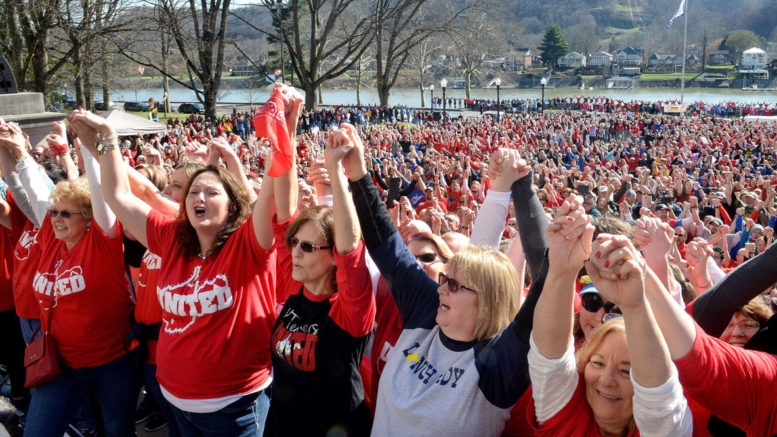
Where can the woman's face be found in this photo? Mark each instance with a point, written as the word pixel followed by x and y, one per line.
pixel 608 388
pixel 457 314
pixel 423 249
pixel 176 184
pixel 207 203
pixel 590 321
pixel 314 267
pixel 740 330
pixel 72 229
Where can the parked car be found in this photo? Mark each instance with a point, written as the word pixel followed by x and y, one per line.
pixel 100 106
pixel 136 106
pixel 191 108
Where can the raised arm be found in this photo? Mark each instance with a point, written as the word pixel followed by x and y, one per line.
pixel 11 177
pixel 347 232
pixel 131 211
pixel 569 238
pixel 13 141
pixel 618 271
pixel 146 191
pixel 103 216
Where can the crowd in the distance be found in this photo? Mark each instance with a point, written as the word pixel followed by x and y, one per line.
pixel 604 269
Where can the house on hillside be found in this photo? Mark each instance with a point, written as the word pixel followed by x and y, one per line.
pixel 659 59
pixel 719 57
pixel 771 51
pixel 629 57
pixel 601 59
pixel 572 60
pixel 523 58
pixel 753 59
pixel 692 61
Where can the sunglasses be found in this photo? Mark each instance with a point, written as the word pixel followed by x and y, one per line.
pixel 426 258
pixel 453 285
pixel 304 245
pixel 64 213
pixel 592 302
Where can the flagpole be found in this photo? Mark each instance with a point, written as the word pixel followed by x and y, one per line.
pixel 685 45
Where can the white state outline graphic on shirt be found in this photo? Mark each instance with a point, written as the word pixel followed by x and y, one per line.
pixel 28 239
pixel 197 289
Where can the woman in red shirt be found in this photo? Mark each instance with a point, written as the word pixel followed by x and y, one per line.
pixel 84 299
pixel 217 315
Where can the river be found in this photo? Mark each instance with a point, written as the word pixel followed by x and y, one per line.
pixel 411 97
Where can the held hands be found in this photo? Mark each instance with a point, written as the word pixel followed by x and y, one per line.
pixel 569 237
pixel 618 271
pixel 85 126
pixel 218 148
pixel 654 237
pixel 338 146
pixel 506 167
pixel 12 139
pixel 57 140
pixel 354 161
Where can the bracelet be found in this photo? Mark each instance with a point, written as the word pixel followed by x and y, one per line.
pixel 62 149
pixel 102 149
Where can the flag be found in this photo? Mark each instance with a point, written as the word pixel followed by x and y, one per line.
pixel 680 12
pixel 270 123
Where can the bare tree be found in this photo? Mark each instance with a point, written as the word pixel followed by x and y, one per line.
pixel 472 41
pixel 363 62
pixel 198 32
pixel 422 53
pixel 400 26
pixel 324 38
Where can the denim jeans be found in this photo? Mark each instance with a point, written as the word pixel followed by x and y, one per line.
pixel 113 384
pixel 28 328
pixel 242 418
pixel 152 386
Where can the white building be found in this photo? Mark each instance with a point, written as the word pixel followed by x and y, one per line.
pixel 572 60
pixel 754 59
pixel 601 59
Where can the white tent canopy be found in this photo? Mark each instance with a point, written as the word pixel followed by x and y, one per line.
pixel 129 125
pixel 753 51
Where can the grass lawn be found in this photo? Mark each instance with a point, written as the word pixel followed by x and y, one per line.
pixel 664 76
pixel 720 67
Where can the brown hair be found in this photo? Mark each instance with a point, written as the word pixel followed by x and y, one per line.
pixel 322 219
pixel 439 244
pixel 154 173
pixel 757 310
pixel 239 210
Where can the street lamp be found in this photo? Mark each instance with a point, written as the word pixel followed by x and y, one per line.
pixel 498 83
pixel 443 84
pixel 431 99
pixel 543 81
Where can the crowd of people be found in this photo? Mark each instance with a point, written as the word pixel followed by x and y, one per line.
pixel 606 269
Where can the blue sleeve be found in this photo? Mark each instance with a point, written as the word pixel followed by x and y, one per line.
pixel 739 223
pixel 503 368
pixel 773 222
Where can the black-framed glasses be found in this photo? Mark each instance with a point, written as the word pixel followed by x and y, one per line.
pixel 65 214
pixel 427 258
pixel 306 246
pixel 592 302
pixel 453 285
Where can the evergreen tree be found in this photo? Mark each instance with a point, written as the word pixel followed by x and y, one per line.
pixel 554 45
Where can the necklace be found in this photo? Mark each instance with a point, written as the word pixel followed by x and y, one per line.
pixel 201 256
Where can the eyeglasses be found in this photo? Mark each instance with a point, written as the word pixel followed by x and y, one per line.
pixel 426 258
pixel 65 214
pixel 592 302
pixel 453 285
pixel 304 245
pixel 36 154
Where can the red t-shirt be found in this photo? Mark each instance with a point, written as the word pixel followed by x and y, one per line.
pixel 25 262
pixel 217 314
pixel 8 239
pixel 91 295
pixel 147 309
pixel 574 420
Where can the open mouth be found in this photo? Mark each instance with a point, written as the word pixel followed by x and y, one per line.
pixel 199 211
pixel 444 307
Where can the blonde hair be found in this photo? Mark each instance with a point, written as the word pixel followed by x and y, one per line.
pixel 592 343
pixel 76 192
pixel 492 274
